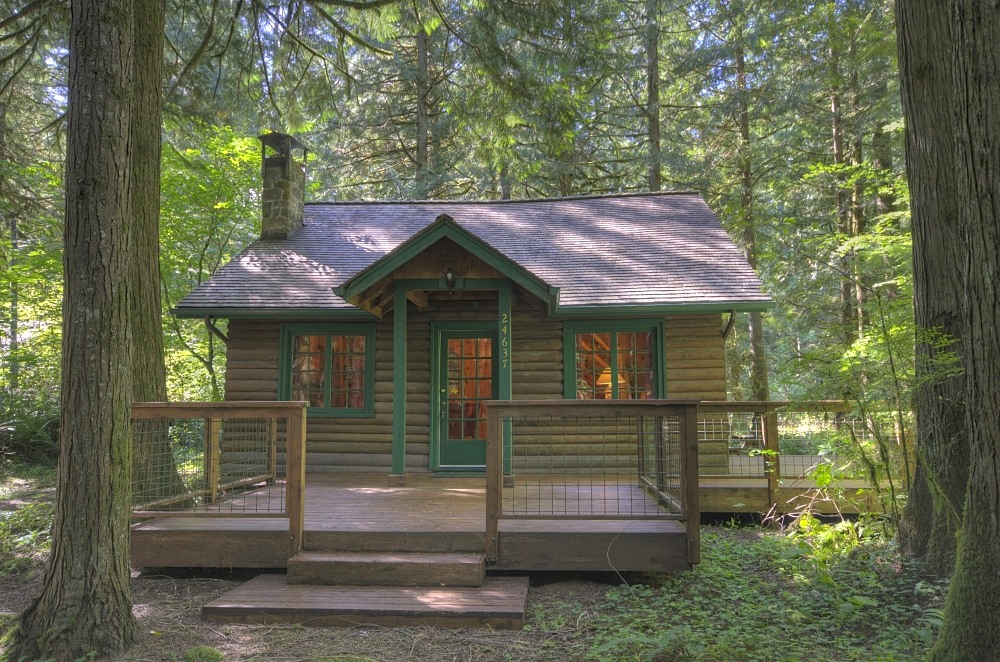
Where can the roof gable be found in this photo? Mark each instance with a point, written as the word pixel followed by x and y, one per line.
pixel 443 227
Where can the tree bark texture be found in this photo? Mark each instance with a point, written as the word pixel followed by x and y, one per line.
pixel 13 365
pixel 423 128
pixel 85 604
pixel 154 470
pixel 971 629
pixel 653 92
pixel 759 387
pixel 934 514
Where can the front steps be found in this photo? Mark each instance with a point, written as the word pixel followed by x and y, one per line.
pixel 438 580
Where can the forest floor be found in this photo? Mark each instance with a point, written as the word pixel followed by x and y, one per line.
pixel 816 592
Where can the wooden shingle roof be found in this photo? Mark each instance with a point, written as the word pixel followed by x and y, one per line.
pixel 663 251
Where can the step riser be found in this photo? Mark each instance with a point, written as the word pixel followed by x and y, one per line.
pixel 386 574
pixel 380 541
pixel 387 569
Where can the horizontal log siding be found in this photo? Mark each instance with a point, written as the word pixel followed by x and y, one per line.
pixel 695 369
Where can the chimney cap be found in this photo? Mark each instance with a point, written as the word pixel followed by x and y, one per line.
pixel 281 142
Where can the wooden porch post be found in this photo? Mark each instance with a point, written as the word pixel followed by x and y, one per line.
pixel 493 483
pixel 272 450
pixel 769 426
pixel 295 478
pixel 398 476
pixel 690 486
pixel 213 457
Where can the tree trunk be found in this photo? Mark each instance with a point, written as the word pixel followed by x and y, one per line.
pixel 154 470
pixel 847 307
pixel 759 389
pixel 653 92
pixel 934 513
pixel 13 366
pixel 858 191
pixel 423 89
pixel 971 629
pixel 85 602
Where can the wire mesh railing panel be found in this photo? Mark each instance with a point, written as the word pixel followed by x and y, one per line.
pixel 732 444
pixel 843 445
pixel 593 467
pixel 209 466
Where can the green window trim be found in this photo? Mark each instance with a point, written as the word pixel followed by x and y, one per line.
pixel 613 327
pixel 285 364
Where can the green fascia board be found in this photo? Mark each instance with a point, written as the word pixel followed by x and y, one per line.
pixel 443 228
pixel 332 314
pixel 632 310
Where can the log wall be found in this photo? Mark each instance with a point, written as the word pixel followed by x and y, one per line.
pixel 694 349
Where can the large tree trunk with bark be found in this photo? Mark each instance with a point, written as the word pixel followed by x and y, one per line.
pixel 759 387
pixel 653 92
pixel 155 472
pixel 85 604
pixel 423 125
pixel 971 629
pixel 934 513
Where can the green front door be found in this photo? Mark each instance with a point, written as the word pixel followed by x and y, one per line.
pixel 465 378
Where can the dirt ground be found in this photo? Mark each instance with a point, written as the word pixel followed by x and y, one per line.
pixel 168 604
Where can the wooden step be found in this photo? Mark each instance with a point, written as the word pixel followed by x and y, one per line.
pixel 269 599
pixel 387 569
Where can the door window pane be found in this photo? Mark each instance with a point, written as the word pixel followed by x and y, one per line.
pixel 470 385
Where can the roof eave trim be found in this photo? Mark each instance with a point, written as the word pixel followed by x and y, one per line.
pixel 694 307
pixel 272 313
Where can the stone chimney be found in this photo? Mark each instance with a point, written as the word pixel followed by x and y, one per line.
pixel 284 185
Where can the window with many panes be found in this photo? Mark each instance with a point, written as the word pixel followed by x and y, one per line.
pixel 332 367
pixel 613 361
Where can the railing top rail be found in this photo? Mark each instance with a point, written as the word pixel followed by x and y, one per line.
pixel 229 409
pixel 718 406
pixel 607 408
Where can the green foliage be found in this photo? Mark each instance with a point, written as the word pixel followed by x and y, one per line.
pixel 29 429
pixel 820 592
pixel 203 654
pixel 209 212
pixel 25 533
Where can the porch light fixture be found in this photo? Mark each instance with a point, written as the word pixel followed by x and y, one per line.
pixel 449 278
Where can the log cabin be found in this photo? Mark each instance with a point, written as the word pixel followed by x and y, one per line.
pixel 396 321
pixel 504 385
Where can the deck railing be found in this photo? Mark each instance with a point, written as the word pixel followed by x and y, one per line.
pixel 220 459
pixel 604 460
pixel 783 440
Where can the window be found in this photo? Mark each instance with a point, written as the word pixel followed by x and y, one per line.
pixel 613 361
pixel 332 367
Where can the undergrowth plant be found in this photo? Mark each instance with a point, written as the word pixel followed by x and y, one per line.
pixel 24 535
pixel 814 592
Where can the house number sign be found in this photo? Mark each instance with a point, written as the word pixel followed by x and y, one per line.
pixel 504 340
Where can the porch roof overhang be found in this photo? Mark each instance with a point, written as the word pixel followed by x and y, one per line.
pixel 444 227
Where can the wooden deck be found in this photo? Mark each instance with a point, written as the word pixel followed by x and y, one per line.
pixel 361 513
